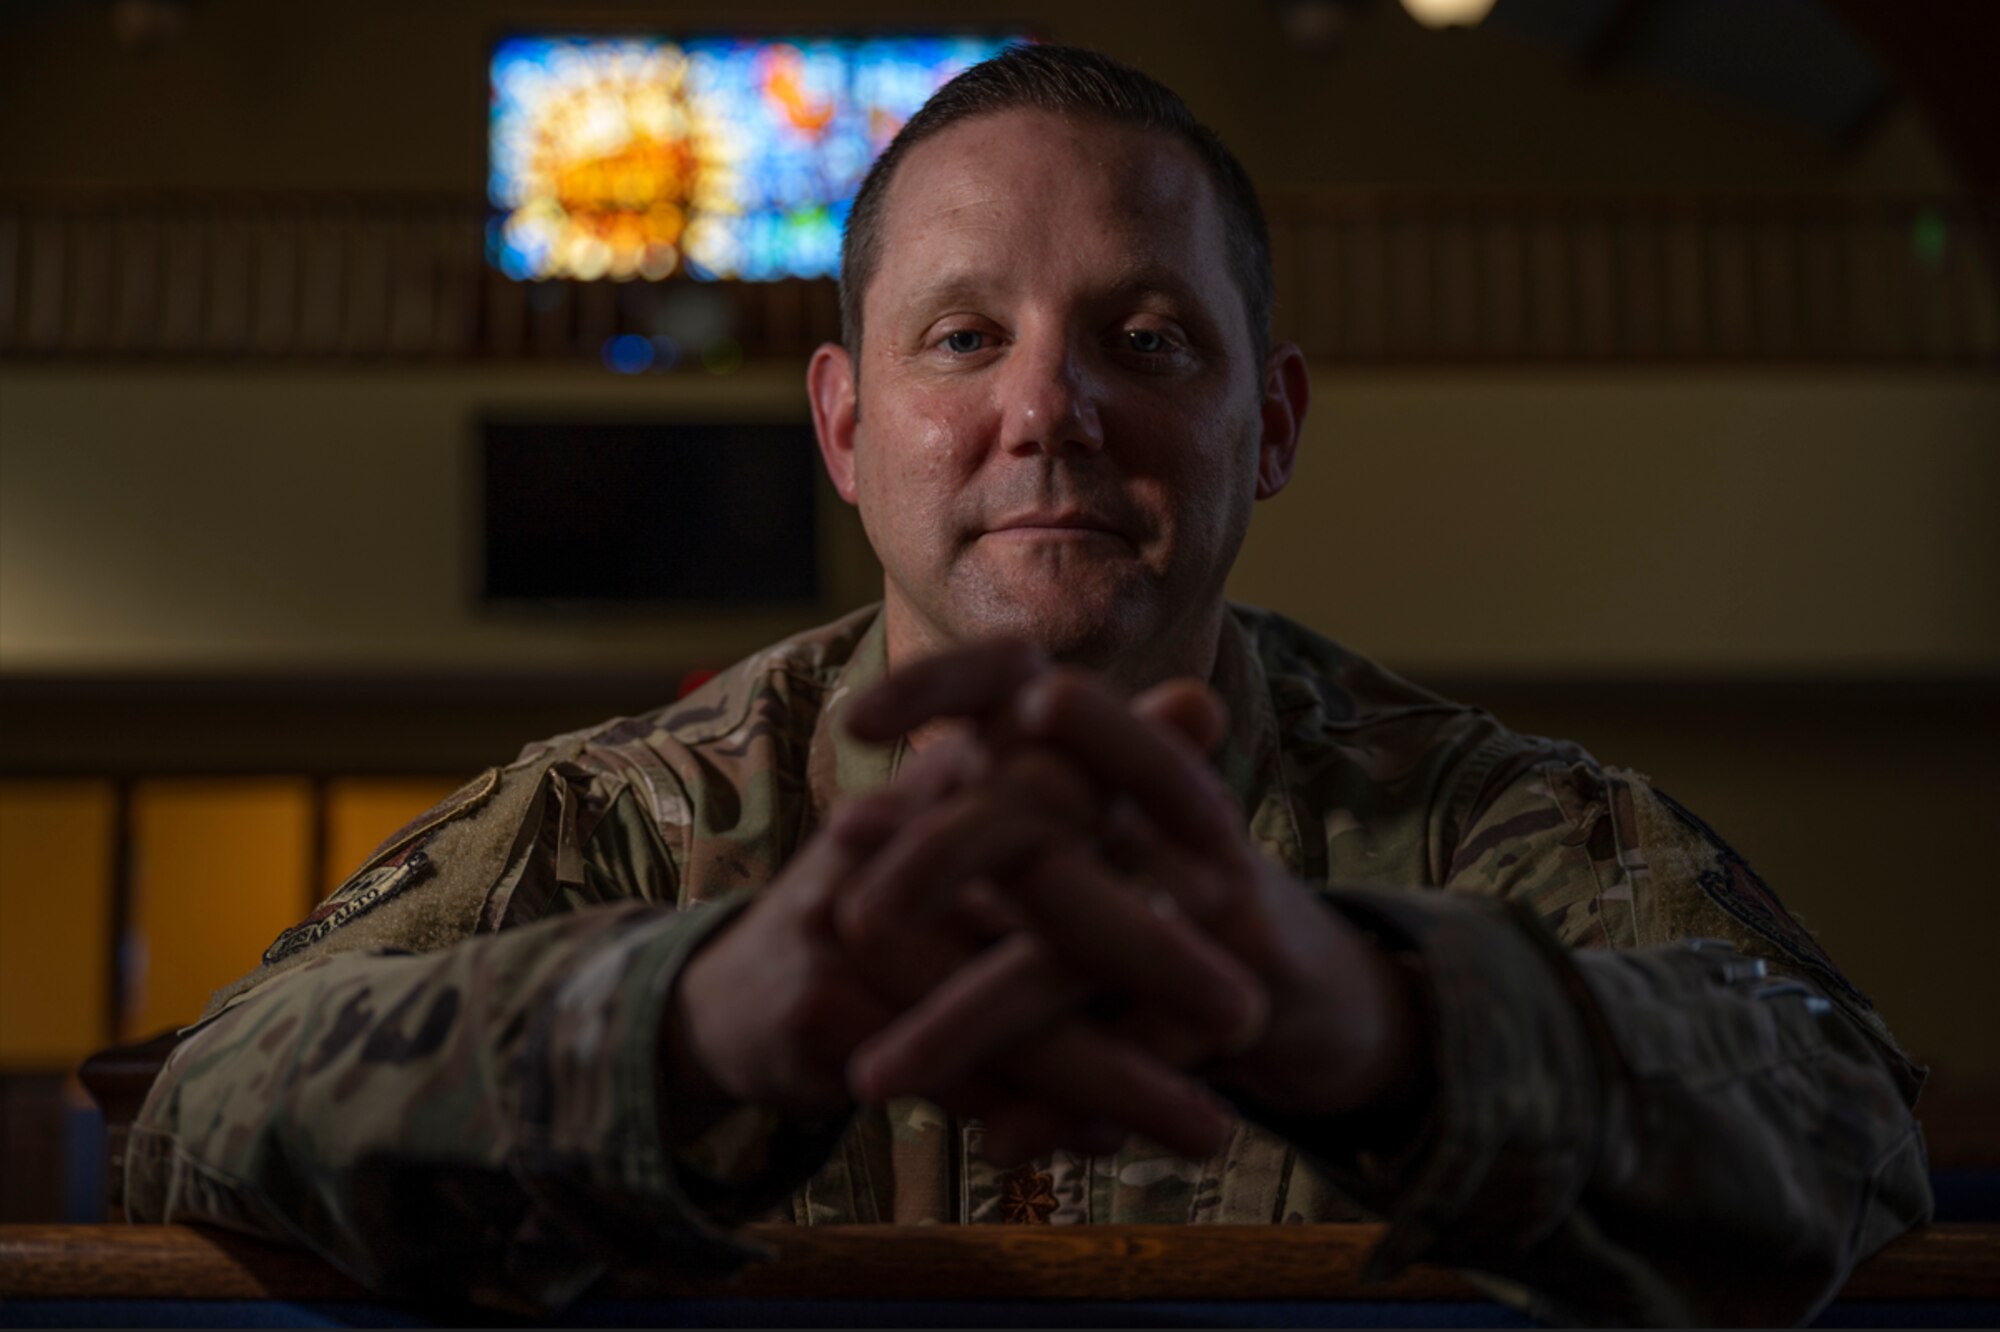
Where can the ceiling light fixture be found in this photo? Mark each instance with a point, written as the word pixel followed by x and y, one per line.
pixel 1448 13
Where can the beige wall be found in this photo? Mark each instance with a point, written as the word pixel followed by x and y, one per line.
pixel 1473 523
pixel 1644 523
pixel 315 521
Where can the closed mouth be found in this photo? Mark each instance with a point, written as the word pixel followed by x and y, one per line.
pixel 1056 526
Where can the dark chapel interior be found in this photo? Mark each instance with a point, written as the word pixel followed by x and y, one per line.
pixel 1653 350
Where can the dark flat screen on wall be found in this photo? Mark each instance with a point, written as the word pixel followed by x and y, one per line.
pixel 649 512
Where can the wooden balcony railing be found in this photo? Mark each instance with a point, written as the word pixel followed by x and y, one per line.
pixel 1637 278
pixel 1363 277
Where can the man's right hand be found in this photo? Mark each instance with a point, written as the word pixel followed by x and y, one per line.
pixel 768 1012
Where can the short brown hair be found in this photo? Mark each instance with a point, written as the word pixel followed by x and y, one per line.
pixel 1070 81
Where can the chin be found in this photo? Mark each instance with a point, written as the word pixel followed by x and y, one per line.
pixel 1080 625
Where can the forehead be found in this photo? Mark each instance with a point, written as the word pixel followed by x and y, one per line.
pixel 1034 193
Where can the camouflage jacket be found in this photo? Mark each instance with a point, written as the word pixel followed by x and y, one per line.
pixel 1657 1098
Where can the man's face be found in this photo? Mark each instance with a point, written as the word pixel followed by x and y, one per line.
pixel 1060 422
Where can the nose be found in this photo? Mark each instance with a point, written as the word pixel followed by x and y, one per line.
pixel 1049 397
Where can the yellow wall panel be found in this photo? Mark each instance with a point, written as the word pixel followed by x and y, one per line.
pixel 220 866
pixel 56 854
pixel 362 811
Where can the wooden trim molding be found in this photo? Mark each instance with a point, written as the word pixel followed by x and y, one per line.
pixel 454 725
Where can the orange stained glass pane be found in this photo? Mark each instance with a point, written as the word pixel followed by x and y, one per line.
pixel 56 854
pixel 220 866
pixel 362 811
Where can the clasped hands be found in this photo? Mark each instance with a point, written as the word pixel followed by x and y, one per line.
pixel 1053 919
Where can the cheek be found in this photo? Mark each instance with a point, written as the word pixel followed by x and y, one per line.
pixel 1200 477
pixel 916 459
pixel 951 423
pixel 1189 450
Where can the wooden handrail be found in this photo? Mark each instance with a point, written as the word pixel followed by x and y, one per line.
pixel 1960 1262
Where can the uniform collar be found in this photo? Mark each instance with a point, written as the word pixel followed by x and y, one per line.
pixel 1250 760
pixel 837 764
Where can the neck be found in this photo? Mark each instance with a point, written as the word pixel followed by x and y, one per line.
pixel 1186 648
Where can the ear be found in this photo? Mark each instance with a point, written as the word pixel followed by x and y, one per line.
pixel 1287 386
pixel 830 384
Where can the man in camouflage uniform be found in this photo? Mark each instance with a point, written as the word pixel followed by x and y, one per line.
pixel 892 905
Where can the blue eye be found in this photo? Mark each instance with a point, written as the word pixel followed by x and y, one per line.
pixel 964 341
pixel 1148 341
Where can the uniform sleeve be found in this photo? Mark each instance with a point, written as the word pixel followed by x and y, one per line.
pixel 1657 1099
pixel 446 1080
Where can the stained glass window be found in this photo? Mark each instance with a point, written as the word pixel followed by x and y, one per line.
pixel 642 157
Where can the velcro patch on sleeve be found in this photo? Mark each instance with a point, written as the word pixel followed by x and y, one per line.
pixel 463 801
pixel 1733 885
pixel 363 892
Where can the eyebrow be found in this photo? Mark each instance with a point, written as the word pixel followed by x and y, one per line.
pixel 948 289
pixel 1150 278
pixel 1146 278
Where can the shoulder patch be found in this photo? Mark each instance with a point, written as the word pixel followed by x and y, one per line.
pixel 364 891
pixel 462 801
pixel 1739 890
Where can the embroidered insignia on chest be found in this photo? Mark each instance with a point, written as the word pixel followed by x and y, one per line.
pixel 1027 1197
pixel 363 892
pixel 1732 885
